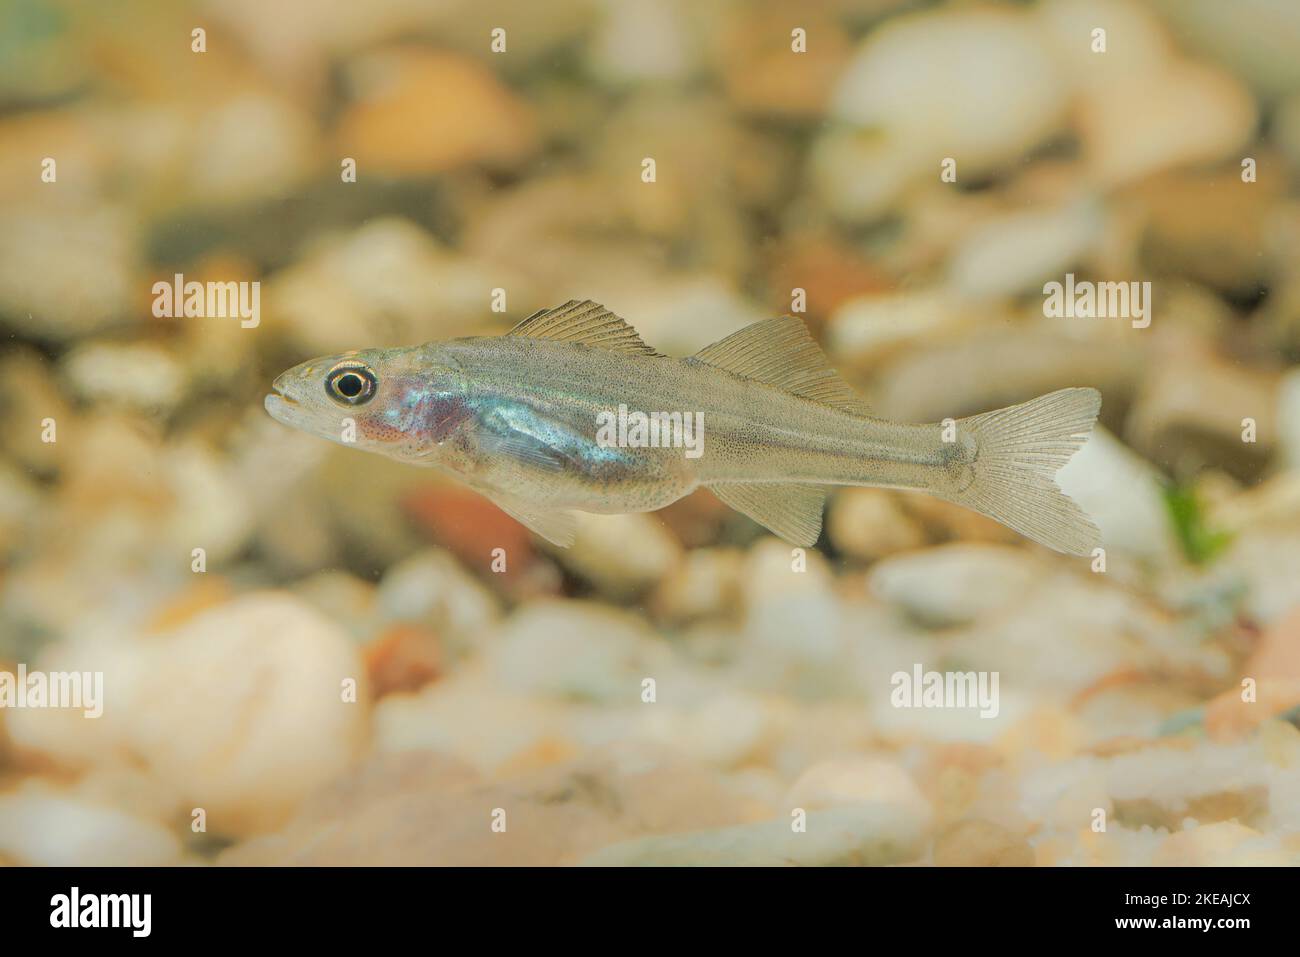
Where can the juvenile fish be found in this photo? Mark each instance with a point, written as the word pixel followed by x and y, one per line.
pixel 540 420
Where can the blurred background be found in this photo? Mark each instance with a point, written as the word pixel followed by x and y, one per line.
pixel 341 676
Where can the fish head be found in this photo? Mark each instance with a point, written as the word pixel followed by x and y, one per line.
pixel 402 403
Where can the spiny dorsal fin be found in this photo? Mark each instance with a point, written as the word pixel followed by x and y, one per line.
pixel 585 322
pixel 792 511
pixel 780 352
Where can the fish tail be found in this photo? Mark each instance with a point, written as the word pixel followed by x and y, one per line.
pixel 1018 451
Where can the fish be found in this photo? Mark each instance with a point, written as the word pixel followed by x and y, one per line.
pixel 537 420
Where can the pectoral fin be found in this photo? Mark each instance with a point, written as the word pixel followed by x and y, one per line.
pixel 792 511
pixel 521 447
pixel 557 526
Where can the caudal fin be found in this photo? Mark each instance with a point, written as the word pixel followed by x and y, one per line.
pixel 1019 451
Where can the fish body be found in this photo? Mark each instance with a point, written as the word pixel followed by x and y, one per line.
pixel 519 418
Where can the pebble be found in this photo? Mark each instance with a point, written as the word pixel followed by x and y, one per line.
pixel 761 75
pixel 724 732
pixel 916 79
pixel 576 651
pixel 1191 409
pixel 42 826
pixel 944 725
pixel 641 43
pixel 239 710
pixel 1116 847
pixel 1219 844
pixel 1121 492
pixel 210 507
pixel 698 520
pixel 1261 562
pixel 944 521
pixel 869 524
pixel 65 274
pixel 1062 795
pixel 343 598
pixel 29 394
pixel 1277 653
pixel 977 843
pixel 706 583
pixel 1016 253
pixel 621 555
pixel 1206 780
pixel 1279 742
pixel 860 175
pixel 1257 46
pixel 403 658
pixel 467 717
pixel 871 328
pixel 1288 418
pixel 954 774
pixel 365 518
pixel 861 835
pixel 140 374
pixel 1274 666
pixel 1286 130
pixel 432 589
pixel 21 508
pixel 1188 113
pixel 1222 234
pixel 847 781
pixel 705 163
pixel 1137 41
pixel 834 273
pixel 248 148
pixel 793 619
pixel 65 737
pixel 681 314
pixel 387 281
pixel 1000 365
pixel 955 584
pixel 422 809
pixel 258 684
pixel 418 111
pixel 473 529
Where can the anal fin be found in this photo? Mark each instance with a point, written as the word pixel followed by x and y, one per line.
pixel 792 511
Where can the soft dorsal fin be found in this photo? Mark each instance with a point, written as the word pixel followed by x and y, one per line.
pixel 584 322
pixel 780 352
pixel 792 511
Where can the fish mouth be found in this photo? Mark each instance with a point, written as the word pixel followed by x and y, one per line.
pixel 280 406
pixel 278 387
pixel 280 396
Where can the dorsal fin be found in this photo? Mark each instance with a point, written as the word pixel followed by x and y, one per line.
pixel 780 352
pixel 584 322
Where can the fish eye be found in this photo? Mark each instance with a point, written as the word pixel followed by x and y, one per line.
pixel 352 383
